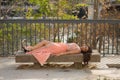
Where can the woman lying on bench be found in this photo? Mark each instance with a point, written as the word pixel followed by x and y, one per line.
pixel 44 49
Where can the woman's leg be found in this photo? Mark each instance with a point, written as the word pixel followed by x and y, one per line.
pixel 40 44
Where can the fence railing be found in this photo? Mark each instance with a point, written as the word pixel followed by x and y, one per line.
pixel 103 35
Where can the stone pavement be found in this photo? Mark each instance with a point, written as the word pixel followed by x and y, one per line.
pixel 9 71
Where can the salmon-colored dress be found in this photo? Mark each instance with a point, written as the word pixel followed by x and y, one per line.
pixel 43 53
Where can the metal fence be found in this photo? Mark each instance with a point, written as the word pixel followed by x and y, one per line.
pixel 103 35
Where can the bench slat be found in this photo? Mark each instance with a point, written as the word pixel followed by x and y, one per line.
pixel 22 58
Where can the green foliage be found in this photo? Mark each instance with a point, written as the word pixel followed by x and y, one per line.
pixel 77 6
pixel 65 10
pixel 61 9
pixel 29 13
pixel 118 1
pixel 43 7
pixel 68 17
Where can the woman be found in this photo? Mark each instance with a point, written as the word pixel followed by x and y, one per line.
pixel 44 49
pixel 68 47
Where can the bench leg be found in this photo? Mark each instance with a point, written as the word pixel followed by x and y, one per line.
pixel 78 65
pixel 37 64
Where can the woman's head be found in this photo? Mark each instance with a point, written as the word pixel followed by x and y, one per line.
pixel 84 48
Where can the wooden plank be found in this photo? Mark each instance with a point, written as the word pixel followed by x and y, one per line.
pixel 113 65
pixel 22 58
pixel 62 58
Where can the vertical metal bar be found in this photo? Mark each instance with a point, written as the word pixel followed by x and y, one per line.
pixel 35 34
pixel 104 40
pixel 95 32
pixel 113 46
pixel 117 37
pixel 68 33
pixel 44 31
pixel 94 35
pixel 26 31
pixel 54 33
pixel 12 39
pixel 72 32
pixel 86 33
pixel 118 29
pixel 100 38
pixel 7 38
pixel 49 31
pixel 58 25
pixel 77 36
pixel 81 31
pixel 17 38
pixel 108 38
pixel 112 38
pixel 21 33
pixel 30 33
pixel 40 31
pixel 63 33
pixel 3 37
pixel 91 26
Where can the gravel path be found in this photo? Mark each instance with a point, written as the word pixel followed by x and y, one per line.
pixel 9 71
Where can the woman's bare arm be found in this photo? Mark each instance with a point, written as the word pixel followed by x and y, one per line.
pixel 75 51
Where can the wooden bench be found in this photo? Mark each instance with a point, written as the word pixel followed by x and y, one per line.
pixel 76 58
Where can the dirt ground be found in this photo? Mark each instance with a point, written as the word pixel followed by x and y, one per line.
pixel 9 70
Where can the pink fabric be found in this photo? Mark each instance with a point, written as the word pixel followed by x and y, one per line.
pixel 42 54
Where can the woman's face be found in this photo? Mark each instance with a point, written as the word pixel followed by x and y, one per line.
pixel 84 48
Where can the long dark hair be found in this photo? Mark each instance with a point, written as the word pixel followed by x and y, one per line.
pixel 87 55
